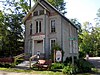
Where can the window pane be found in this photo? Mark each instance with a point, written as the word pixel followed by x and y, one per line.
pixel 52 25
pixel 52 43
pixel 41 12
pixel 36 26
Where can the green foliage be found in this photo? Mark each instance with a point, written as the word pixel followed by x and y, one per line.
pixel 11 32
pixel 57 66
pixel 70 69
pixel 77 24
pixel 59 4
pixel 80 65
pixel 82 54
pixel 83 65
pixel 90 42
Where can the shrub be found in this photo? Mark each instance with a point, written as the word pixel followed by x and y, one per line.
pixel 83 65
pixel 57 66
pixel 70 69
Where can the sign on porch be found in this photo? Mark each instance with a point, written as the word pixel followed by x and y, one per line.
pixel 58 55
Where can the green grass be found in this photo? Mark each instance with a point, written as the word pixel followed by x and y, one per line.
pixel 95 71
pixel 31 71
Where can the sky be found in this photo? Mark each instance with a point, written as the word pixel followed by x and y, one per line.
pixel 83 10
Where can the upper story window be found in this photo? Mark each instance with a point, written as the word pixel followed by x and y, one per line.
pixel 53 28
pixel 41 12
pixel 31 29
pixel 38 26
pixel 35 13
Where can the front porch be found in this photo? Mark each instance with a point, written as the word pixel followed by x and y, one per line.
pixel 38 44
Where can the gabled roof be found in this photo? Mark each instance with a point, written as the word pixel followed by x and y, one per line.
pixel 25 18
pixel 39 2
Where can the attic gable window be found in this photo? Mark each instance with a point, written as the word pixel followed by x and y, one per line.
pixel 35 13
pixel 41 12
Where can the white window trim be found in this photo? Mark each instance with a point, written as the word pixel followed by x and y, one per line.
pixel 50 42
pixel 50 25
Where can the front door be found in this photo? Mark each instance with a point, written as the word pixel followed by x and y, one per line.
pixel 38 46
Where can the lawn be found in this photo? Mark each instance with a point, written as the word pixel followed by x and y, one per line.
pixel 45 72
pixel 31 71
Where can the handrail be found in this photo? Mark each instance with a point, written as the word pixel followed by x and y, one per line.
pixel 30 60
pixel 18 56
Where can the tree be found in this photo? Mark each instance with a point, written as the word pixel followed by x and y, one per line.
pixel 12 43
pixel 59 4
pixel 77 24
pixel 90 40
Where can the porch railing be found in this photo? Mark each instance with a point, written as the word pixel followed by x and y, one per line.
pixel 30 60
pixel 17 57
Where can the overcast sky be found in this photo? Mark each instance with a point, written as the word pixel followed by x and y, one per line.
pixel 83 10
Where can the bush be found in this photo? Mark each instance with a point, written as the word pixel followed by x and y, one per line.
pixel 70 69
pixel 83 65
pixel 80 66
pixel 57 66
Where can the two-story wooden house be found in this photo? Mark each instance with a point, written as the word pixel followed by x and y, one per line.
pixel 45 26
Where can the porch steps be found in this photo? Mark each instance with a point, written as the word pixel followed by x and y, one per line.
pixel 25 65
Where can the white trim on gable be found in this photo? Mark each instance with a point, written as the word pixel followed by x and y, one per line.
pixel 32 9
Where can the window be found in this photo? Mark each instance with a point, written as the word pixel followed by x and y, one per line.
pixel 52 43
pixel 35 13
pixel 31 29
pixel 53 29
pixel 41 12
pixel 38 26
